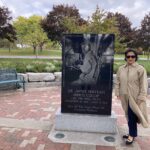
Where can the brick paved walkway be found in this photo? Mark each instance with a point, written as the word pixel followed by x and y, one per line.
pixel 26 119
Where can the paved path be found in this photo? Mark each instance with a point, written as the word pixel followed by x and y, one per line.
pixel 26 119
pixel 53 57
pixel 33 57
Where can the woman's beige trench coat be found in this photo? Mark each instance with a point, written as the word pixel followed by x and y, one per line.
pixel 131 85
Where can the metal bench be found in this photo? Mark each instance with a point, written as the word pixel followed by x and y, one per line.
pixel 9 79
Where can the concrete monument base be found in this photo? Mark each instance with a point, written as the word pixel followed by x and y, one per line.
pixel 84 138
pixel 86 123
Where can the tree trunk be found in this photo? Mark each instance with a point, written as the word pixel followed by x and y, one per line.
pixel 34 49
pixel 36 53
pixel 148 53
pixel 41 48
pixel 9 47
pixel 21 45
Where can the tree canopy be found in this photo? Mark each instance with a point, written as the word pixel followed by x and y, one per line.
pixel 98 23
pixel 29 31
pixel 145 31
pixel 6 29
pixel 124 26
pixel 35 30
pixel 53 22
pixel 144 34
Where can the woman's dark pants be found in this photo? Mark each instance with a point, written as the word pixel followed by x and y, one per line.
pixel 132 122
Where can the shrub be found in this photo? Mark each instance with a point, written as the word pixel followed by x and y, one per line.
pixel 28 65
pixel 45 65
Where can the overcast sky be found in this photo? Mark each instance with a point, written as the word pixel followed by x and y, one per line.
pixel 135 10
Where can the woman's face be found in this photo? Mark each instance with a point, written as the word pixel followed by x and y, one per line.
pixel 130 57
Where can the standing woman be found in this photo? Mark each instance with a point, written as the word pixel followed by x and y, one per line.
pixel 131 88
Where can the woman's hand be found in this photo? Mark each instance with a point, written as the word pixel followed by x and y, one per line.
pixel 139 102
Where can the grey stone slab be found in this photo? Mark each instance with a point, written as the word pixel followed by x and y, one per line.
pixel 24 75
pixel 41 84
pixel 82 147
pixel 38 77
pixel 83 138
pixel 26 124
pixel 52 83
pixel 85 122
pixel 148 82
pixel 58 76
pixel 148 91
pixel 35 84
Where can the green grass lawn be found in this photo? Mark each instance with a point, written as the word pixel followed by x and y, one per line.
pixel 55 53
pixel 26 52
pixel 36 65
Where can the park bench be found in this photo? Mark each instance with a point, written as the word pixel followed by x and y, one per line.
pixel 10 79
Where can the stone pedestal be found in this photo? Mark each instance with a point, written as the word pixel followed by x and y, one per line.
pixel 86 97
pixel 86 123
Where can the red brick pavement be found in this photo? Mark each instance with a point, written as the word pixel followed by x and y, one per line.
pixel 41 104
pixel 32 141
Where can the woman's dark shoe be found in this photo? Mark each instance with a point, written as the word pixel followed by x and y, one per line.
pixel 129 140
pixel 125 136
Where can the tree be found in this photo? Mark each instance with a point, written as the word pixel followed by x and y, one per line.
pixel 6 29
pixel 73 26
pixel 145 33
pixel 101 23
pixel 29 32
pixel 124 27
pixel 36 36
pixel 98 23
pixel 21 27
pixel 53 24
pixel 136 34
pixel 5 43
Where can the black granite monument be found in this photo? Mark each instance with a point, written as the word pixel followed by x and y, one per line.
pixel 87 73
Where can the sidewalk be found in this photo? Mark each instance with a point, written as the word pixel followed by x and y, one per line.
pixel 53 57
pixel 33 57
pixel 26 119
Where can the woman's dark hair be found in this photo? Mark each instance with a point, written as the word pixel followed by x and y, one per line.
pixel 131 50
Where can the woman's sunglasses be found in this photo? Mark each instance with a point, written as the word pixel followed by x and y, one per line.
pixel 130 56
